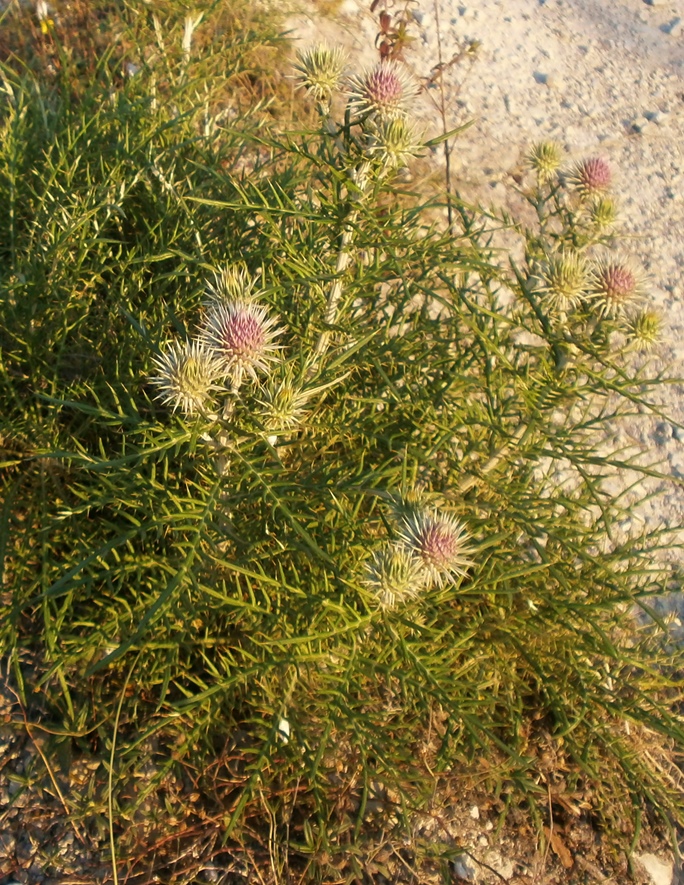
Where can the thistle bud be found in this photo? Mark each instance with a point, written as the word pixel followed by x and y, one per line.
pixel 319 70
pixel 394 575
pixel 646 330
pixel 564 281
pixel 545 158
pixel 186 376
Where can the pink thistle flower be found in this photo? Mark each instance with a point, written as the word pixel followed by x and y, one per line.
pixel 242 334
pixel 439 542
pixel 591 177
pixel 386 91
pixel 616 285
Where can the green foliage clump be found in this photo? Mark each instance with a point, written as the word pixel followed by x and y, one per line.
pixel 279 456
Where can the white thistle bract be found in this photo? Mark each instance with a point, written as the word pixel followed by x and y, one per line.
pixel 385 91
pixel 231 283
pixel 394 575
pixel 319 70
pixel 242 335
pixel 439 542
pixel 186 376
pixel 564 281
pixel 395 142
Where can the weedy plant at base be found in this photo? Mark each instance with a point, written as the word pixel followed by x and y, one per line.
pixel 278 460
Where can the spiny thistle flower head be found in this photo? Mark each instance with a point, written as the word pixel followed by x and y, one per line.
pixel 394 575
pixel 590 177
pixel 319 70
pixel 646 330
pixel 231 283
pixel 439 542
pixel 616 286
pixel 564 281
pixel 385 91
pixel 545 158
pixel 395 142
pixel 603 211
pixel 284 404
pixel 186 376
pixel 242 334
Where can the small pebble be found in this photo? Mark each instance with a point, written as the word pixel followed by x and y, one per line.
pixel 475 812
pixel 464 868
pixel 663 433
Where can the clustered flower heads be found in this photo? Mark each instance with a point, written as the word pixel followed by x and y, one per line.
pixel 431 550
pixel 236 338
pixel 319 70
pixel 385 91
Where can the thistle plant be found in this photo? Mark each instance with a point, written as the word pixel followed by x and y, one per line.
pixel 175 585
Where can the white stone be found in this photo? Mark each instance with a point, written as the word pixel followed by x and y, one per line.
pixel 659 871
pixel 474 812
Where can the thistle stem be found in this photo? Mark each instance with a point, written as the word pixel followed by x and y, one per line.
pixel 343 259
